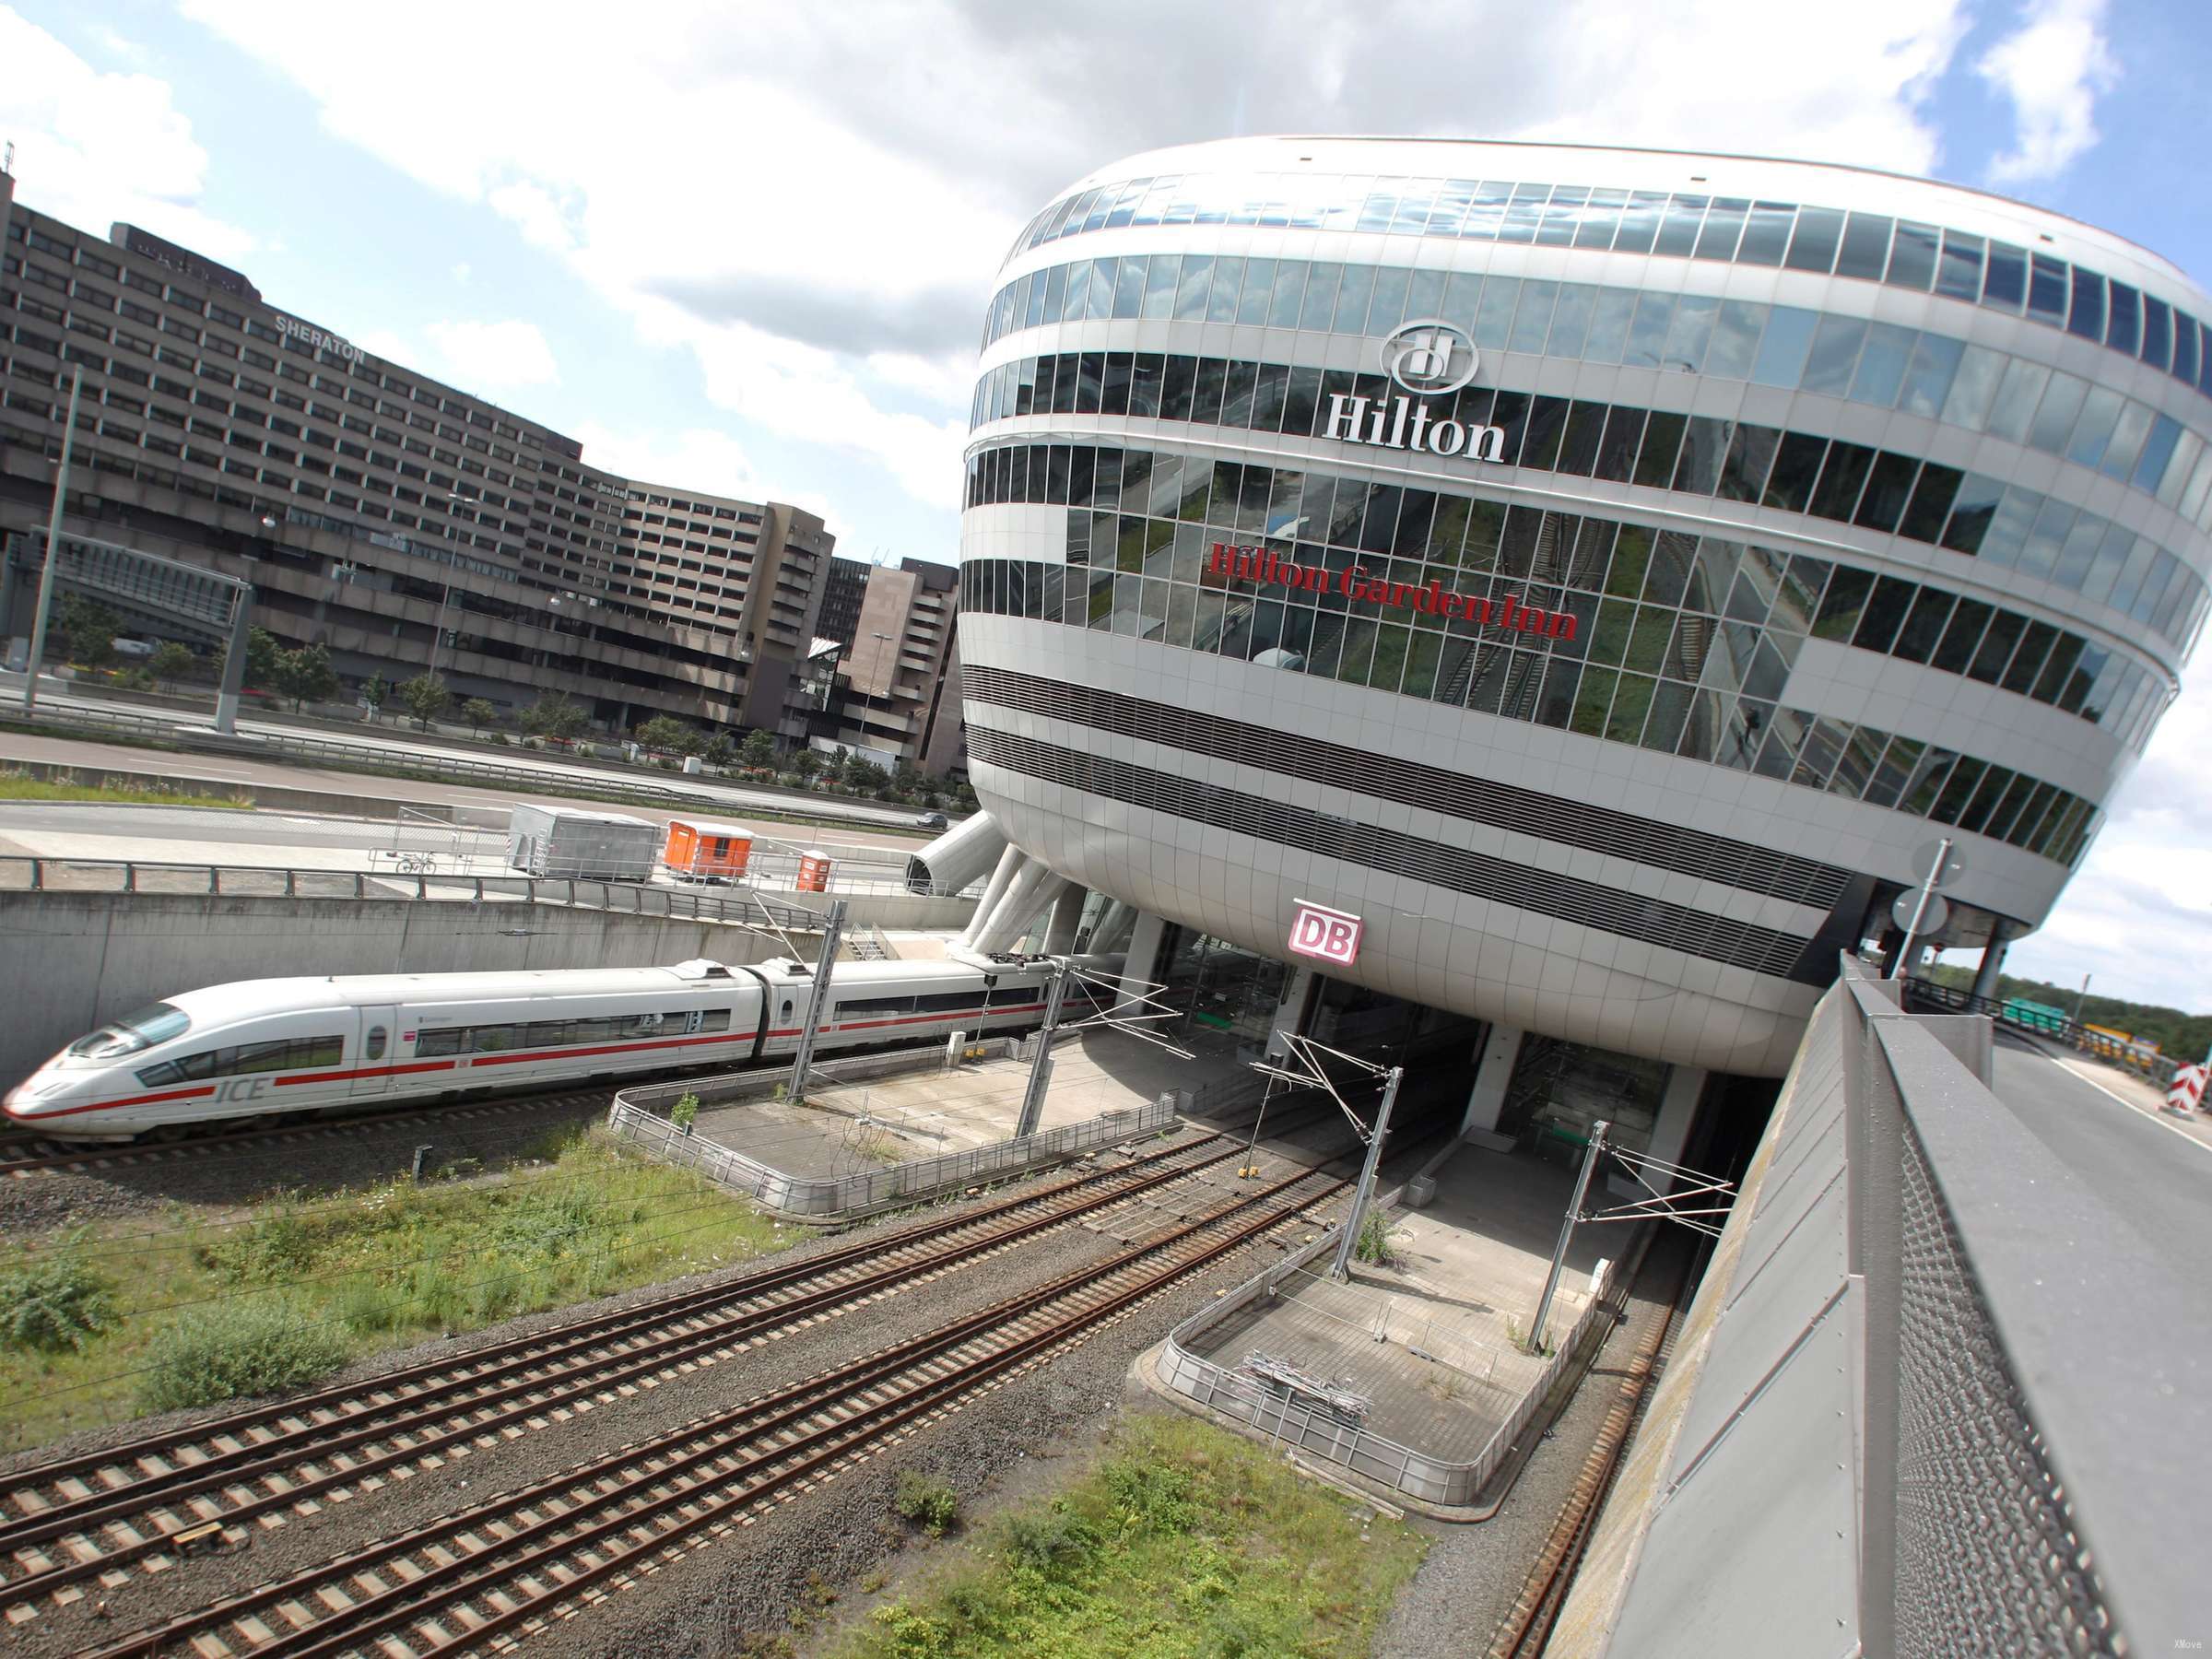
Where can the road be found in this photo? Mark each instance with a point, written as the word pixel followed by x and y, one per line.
pixel 57 694
pixel 2158 1178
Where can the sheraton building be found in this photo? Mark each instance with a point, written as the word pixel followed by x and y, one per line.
pixel 1596 577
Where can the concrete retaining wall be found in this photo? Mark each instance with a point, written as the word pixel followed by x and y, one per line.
pixel 69 961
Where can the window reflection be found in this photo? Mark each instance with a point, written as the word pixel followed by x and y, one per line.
pixel 1868 247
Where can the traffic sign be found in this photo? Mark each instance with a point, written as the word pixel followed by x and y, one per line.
pixel 1924 860
pixel 1936 912
pixel 2188 1091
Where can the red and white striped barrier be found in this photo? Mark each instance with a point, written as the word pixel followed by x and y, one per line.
pixel 2187 1092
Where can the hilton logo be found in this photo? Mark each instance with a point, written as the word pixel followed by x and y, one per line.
pixel 1428 358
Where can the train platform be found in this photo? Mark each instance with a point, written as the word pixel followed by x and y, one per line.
pixel 1429 1344
pixel 924 1112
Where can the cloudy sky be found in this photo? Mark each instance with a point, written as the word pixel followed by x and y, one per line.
pixel 745 246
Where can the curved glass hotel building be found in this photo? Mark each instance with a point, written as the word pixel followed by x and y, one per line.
pixel 1598 572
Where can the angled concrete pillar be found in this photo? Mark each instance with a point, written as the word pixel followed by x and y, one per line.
pixel 1670 1131
pixel 1494 1059
pixel 1140 966
pixel 1290 1013
pixel 1993 962
pixel 1067 914
pixel 995 890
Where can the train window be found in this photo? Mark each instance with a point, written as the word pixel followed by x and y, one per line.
pixel 870 1007
pixel 548 1033
pixel 372 1045
pixel 157 1022
pixel 787 1008
pixel 262 1057
pixel 452 1041
pixel 494 1040
pixel 949 1002
pixel 153 1076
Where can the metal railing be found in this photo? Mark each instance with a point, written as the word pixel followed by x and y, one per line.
pixel 737 907
pixel 1939 1393
pixel 641 1115
pixel 1450 1483
pixel 164 730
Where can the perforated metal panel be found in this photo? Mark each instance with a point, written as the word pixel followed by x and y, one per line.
pixel 1989 1558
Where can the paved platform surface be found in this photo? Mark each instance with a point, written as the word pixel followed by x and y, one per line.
pixel 1430 1339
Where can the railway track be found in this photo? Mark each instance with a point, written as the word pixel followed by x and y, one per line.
pixel 487 1577
pixel 1528 1627
pixel 24 1153
pixel 70 1524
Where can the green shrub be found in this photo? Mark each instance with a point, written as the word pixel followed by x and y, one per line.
pixel 54 1300
pixel 1051 1544
pixel 235 1349
pixel 686 1111
pixel 1147 1496
pixel 927 1500
pixel 1373 1244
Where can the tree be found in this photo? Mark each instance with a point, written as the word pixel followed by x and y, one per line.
pixel 720 751
pixel 803 765
pixel 553 715
pixel 305 675
pixel 376 694
pixel 760 750
pixel 840 765
pixel 426 696
pixel 662 732
pixel 907 778
pixel 864 774
pixel 479 714
pixel 262 651
pixel 171 663
pixel 90 629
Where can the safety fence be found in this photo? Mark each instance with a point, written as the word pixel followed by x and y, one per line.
pixel 169 729
pixel 643 1115
pixel 1316 1431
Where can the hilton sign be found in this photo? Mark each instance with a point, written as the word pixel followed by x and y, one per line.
pixel 1261 565
pixel 1427 358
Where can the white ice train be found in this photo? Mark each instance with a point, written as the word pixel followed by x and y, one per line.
pixel 263 1047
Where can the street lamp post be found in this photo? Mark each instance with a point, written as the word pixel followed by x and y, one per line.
pixel 53 552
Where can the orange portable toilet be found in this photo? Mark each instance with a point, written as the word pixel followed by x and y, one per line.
pixel 814 871
pixel 699 851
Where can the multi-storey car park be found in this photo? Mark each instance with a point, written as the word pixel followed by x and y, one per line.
pixel 373 507
pixel 1606 575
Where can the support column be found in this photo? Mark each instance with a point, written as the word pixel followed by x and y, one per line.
pixel 1494 1059
pixel 1290 1013
pixel 234 667
pixel 994 890
pixel 1670 1131
pixel 1067 916
pixel 1140 965
pixel 1993 962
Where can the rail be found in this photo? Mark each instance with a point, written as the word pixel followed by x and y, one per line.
pixel 1939 1392
pixel 641 1115
pixel 25 874
pixel 168 730
pixel 1317 1433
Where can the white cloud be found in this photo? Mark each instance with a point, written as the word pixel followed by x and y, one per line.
pixel 93 147
pixel 495 354
pixel 2138 912
pixel 2053 68
pixel 461 273
pixel 814 201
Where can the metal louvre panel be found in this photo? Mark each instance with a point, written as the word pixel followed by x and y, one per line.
pixel 1708 857
pixel 1672 927
pixel 1989 1558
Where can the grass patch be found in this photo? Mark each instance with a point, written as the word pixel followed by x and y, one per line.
pixel 20 786
pixel 1181 1539
pixel 234 1299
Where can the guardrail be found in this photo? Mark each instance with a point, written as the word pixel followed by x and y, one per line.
pixel 1938 1393
pixel 24 874
pixel 641 1115
pixel 167 730
pixel 1317 1433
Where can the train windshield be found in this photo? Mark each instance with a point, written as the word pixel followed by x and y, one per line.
pixel 158 1022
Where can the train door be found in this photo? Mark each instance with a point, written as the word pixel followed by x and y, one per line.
pixel 376 1056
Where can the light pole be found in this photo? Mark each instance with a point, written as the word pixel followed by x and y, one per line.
pixel 53 552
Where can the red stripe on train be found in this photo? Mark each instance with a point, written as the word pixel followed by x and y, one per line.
pixel 146 1100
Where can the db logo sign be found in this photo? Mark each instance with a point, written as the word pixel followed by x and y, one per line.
pixel 1328 936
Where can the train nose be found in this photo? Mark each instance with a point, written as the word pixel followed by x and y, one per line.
pixel 34 1098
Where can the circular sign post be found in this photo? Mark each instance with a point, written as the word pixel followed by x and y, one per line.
pixel 1921 918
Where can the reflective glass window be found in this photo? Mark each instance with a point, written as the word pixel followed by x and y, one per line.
pixel 1931 504
pixel 1767 235
pixel 1974 387
pixel 2055 416
pixel 2047 288
pixel 1532 319
pixel 1571 321
pixel 1813 244
pixel 1912 256
pixel 1881 370
pixel 1959 273
pixel 1796 467
pixel 2185 347
pixel 2005 284
pixel 1647 333
pixel 2093 428
pixel 1734 343
pixel 2017 397
pixel 1835 355
pixel 1679 230
pixel 1609 325
pixel 1889 485
pixel 2158 332
pixel 2123 328
pixel 2087 318
pixel 1784 347
pixel 1928 376
pixel 1866 252
pixel 1640 222
pixel 1724 227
